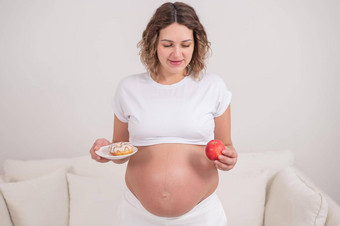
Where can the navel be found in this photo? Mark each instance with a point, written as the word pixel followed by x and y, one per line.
pixel 165 195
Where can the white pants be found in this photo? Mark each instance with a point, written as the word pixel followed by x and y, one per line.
pixel 209 212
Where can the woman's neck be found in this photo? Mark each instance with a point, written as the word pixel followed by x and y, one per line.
pixel 168 78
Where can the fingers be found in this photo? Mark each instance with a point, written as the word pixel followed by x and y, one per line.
pixel 93 152
pixel 95 147
pixel 230 153
pixel 102 160
pixel 221 166
pixel 227 160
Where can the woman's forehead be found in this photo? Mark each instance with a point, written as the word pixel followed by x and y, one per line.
pixel 175 32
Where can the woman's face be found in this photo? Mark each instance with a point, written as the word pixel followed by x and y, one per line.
pixel 175 48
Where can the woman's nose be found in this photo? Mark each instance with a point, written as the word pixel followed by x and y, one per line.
pixel 177 52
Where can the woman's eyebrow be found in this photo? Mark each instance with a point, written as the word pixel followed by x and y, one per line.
pixel 188 40
pixel 167 40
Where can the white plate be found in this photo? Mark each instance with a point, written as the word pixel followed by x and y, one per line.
pixel 105 153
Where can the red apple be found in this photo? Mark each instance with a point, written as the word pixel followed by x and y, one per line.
pixel 214 148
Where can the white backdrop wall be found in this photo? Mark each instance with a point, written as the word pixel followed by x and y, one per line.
pixel 60 62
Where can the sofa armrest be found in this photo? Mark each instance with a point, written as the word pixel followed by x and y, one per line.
pixel 295 202
pixel 333 217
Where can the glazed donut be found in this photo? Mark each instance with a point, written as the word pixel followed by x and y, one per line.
pixel 121 148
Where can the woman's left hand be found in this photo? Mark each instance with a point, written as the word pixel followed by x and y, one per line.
pixel 227 160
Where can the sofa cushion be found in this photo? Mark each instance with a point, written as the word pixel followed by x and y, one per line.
pixel 18 170
pixel 5 218
pixel 243 196
pixel 272 161
pixel 38 202
pixel 94 201
pixel 294 202
pixel 85 166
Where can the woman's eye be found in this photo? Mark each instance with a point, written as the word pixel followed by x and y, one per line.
pixel 170 45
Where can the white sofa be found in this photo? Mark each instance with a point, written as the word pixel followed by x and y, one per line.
pixel 263 189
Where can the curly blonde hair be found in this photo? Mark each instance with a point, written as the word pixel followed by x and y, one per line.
pixel 165 15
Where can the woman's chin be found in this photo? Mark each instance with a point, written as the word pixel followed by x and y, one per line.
pixel 173 69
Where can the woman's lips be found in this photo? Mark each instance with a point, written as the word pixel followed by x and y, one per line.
pixel 175 62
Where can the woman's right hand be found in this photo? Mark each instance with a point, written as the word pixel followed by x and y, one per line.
pixel 95 147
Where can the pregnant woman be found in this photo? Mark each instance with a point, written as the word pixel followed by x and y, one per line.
pixel 170 113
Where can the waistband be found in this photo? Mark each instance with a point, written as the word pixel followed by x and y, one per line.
pixel 204 205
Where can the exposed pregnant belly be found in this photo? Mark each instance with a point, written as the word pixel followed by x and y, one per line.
pixel 170 179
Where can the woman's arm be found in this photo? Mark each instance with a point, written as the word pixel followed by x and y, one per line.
pixel 120 133
pixel 223 132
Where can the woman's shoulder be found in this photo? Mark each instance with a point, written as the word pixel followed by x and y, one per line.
pixel 134 79
pixel 210 78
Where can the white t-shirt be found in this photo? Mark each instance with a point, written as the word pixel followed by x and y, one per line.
pixel 179 113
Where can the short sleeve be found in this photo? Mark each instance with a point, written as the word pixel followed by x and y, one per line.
pixel 224 98
pixel 118 104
